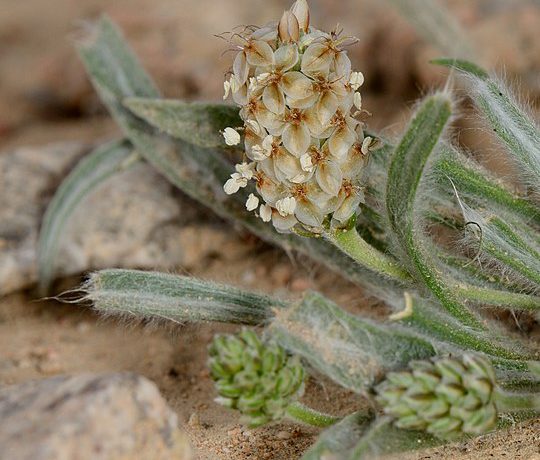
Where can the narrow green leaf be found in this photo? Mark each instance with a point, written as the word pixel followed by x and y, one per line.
pixel 406 170
pixel 448 333
pixel 384 438
pixel 350 350
pixel 196 122
pixel 476 183
pixel 508 119
pixel 175 298
pixel 89 173
pixel 462 66
pixel 340 438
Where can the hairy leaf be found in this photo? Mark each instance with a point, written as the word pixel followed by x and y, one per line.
pixel 508 119
pixel 91 172
pixel 384 438
pixel 195 122
pixel 353 351
pixel 340 438
pixel 406 170
pixel 176 298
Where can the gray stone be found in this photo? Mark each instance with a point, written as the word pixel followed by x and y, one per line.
pixel 97 417
pixel 134 220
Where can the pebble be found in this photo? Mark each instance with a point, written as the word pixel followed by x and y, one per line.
pixel 283 435
pixel 194 420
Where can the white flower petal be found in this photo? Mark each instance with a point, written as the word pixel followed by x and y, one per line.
pixel 356 80
pixel 231 136
pixel 326 107
pixel 286 206
pixel 296 85
pixel 240 96
pixel 252 202
pixel 348 207
pixel 240 68
pixel 283 223
pixel 307 213
pixel 316 60
pixel 286 57
pixel 231 186
pixel 341 141
pixel 306 162
pixel 329 177
pixel 287 165
pixel 265 213
pixel 226 89
pixel 246 170
pixel 366 144
pixel 358 101
pixel 343 66
pixel 273 99
pixel 259 54
pixel 296 139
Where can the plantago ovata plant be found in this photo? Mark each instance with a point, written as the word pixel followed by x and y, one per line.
pixel 438 368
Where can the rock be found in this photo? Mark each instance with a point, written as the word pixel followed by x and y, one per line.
pixel 136 219
pixel 98 417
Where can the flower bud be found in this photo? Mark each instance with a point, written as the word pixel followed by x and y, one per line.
pixel 300 9
pixel 447 397
pixel 257 379
pixel 288 28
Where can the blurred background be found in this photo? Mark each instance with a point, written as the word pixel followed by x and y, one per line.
pixel 50 117
pixel 45 96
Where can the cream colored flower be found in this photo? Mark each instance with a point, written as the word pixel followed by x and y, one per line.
pixel 232 137
pixel 298 97
pixel 235 183
pixel 286 206
pixel 226 89
pixel 366 144
pixel 265 212
pixel 358 101
pixel 252 202
pixel 356 80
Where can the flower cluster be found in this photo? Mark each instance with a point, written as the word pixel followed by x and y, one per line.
pixel 304 143
pixel 260 380
pixel 447 398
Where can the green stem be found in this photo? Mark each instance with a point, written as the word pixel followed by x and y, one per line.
pixel 304 414
pixel 513 402
pixel 504 299
pixel 352 244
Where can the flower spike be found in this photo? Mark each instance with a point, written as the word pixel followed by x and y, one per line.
pixel 299 100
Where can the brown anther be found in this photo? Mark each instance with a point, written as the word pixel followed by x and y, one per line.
pixel 317 156
pixel 347 187
pixel 299 191
pixel 295 116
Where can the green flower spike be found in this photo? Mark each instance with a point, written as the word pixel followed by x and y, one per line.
pixel 260 380
pixel 447 398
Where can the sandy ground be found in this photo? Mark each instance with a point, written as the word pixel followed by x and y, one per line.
pixel 44 97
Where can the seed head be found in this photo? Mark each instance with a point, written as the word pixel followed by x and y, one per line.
pixel 299 99
pixel 447 398
pixel 260 380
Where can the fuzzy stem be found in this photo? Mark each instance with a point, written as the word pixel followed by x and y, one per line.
pixel 352 244
pixel 511 300
pixel 297 411
pixel 513 402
